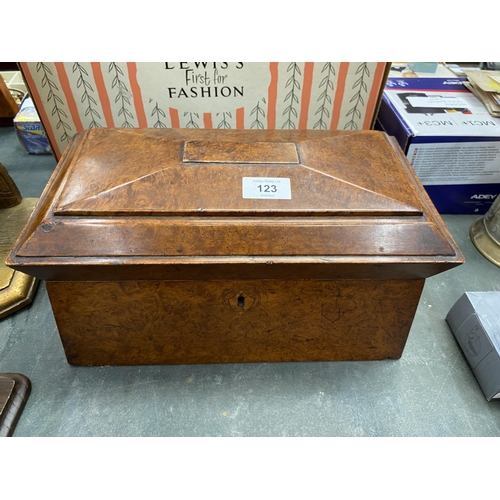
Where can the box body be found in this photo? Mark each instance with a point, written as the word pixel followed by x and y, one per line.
pixel 475 322
pixel 450 139
pixel 232 321
pixel 29 129
pixel 182 246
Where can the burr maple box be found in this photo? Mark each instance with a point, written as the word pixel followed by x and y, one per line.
pixel 173 246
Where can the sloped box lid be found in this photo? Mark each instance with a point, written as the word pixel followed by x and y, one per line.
pixel 155 201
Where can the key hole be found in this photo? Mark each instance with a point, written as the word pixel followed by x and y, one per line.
pixel 241 301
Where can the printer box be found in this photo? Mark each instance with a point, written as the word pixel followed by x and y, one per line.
pixel 449 138
pixel 475 322
pixel 29 129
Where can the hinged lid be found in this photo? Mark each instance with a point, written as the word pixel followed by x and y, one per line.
pixel 145 173
pixel 172 193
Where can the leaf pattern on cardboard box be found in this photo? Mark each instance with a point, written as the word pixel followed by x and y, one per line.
pixel 58 114
pixel 259 113
pixel 321 95
pixel 87 99
pixel 223 123
pixel 158 114
pixel 292 97
pixel 192 123
pixel 122 95
pixel 360 89
pixel 325 98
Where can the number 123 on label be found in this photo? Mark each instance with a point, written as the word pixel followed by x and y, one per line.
pixel 277 188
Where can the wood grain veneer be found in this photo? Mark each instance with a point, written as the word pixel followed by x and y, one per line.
pixel 152 254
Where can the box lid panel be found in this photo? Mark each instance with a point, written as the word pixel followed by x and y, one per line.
pixel 159 195
pixel 143 173
pixel 216 237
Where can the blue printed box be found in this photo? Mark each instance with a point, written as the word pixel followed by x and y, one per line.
pixel 29 129
pixel 449 138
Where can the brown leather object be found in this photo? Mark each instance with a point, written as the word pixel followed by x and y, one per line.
pixel 169 218
pixel 10 195
pixel 14 392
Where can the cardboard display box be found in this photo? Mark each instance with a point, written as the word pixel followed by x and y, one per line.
pixel 475 322
pixel 218 246
pixel 450 139
pixel 71 97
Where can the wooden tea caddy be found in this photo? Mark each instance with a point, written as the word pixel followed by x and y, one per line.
pixel 159 246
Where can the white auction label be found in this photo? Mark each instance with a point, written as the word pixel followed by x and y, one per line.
pixel 277 188
pixel 436 102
